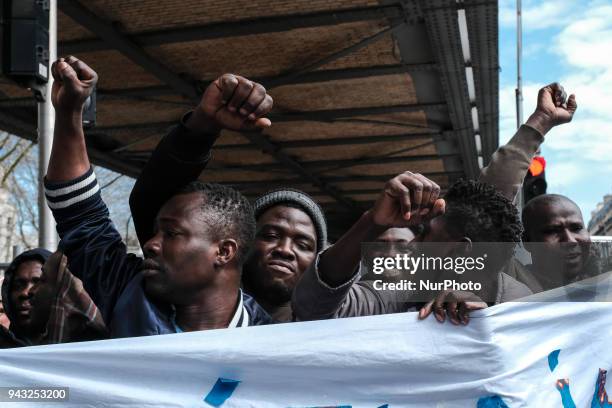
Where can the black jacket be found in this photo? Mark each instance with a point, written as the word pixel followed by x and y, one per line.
pixel 99 258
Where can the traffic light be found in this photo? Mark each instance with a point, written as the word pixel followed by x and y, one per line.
pixel 535 181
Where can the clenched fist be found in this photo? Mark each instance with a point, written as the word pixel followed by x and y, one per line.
pixel 408 199
pixel 552 110
pixel 73 82
pixel 232 102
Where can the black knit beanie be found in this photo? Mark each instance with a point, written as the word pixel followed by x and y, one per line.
pixel 301 200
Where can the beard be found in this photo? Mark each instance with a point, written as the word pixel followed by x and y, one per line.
pixel 259 284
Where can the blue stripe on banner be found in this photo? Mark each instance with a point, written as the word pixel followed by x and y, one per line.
pixel 494 401
pixel 221 391
pixel 553 360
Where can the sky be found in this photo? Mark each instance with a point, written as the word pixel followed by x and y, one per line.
pixel 569 42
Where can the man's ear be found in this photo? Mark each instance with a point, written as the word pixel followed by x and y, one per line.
pixel 463 247
pixel 227 251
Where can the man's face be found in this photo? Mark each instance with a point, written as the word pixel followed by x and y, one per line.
pixel 180 257
pixel 285 245
pixel 559 225
pixel 388 244
pixel 436 231
pixel 396 235
pixel 28 292
pixel 439 241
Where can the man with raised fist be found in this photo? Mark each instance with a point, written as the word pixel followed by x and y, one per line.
pixel 190 277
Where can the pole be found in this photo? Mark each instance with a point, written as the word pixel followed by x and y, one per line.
pixel 47 237
pixel 519 83
pixel 519 62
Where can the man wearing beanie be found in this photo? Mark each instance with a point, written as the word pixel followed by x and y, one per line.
pixel 291 230
pixel 291 227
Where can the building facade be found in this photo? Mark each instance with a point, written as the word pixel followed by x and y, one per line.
pixel 601 218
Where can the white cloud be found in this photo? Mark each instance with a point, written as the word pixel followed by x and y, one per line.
pixel 536 15
pixel 585 50
pixel 561 175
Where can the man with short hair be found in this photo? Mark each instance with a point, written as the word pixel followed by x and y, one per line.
pixel 190 277
pixel 291 227
pixel 471 212
pixel 559 244
pixel 333 291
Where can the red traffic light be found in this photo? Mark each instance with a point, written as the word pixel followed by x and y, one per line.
pixel 537 166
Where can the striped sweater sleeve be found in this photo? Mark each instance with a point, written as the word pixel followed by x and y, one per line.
pixel 74 193
pixel 94 248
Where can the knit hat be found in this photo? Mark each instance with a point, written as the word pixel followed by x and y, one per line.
pixel 301 200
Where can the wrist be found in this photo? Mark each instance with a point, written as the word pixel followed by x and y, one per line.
pixel 69 117
pixel 540 121
pixel 200 122
pixel 373 228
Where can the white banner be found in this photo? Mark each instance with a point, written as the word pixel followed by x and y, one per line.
pixel 514 355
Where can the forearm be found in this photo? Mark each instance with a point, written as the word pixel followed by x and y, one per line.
pixel 69 153
pixel 509 163
pixel 339 262
pixel 178 159
pixel 89 239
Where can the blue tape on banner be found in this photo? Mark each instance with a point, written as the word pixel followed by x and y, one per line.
pixel 553 360
pixel 221 391
pixel 491 402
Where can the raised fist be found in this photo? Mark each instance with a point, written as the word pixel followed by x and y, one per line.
pixel 408 199
pixel 73 82
pixel 235 103
pixel 552 110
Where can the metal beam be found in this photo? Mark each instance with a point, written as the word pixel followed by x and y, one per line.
pixel 324 115
pixel 445 42
pixel 243 27
pixel 340 141
pixel 331 114
pixel 308 77
pixel 335 179
pixel 260 140
pixel 110 35
pixel 305 143
pixel 353 73
pixel 151 127
pixel 288 77
pixel 315 164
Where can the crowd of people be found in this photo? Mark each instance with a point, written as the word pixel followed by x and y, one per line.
pixel 214 260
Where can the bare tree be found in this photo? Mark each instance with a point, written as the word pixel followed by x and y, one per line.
pixel 19 177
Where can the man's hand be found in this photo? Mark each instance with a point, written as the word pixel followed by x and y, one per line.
pixel 232 102
pixel 551 109
pixel 408 199
pixel 73 82
pixel 457 304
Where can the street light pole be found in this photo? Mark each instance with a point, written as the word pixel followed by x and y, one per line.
pixel 47 237
pixel 519 62
pixel 519 83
